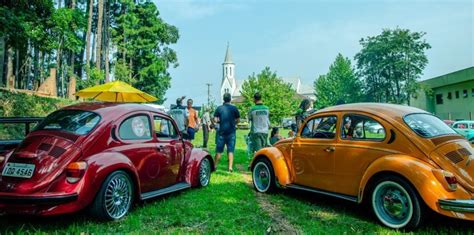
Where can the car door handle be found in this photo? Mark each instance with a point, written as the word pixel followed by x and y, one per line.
pixel 160 147
pixel 330 149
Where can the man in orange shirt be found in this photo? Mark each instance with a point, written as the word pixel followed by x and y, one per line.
pixel 193 120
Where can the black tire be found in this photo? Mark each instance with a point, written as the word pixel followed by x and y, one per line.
pixel 204 173
pixel 263 176
pixel 396 204
pixel 118 191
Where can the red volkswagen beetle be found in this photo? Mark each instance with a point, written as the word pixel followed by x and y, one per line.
pixel 100 156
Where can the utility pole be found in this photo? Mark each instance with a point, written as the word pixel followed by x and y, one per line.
pixel 208 94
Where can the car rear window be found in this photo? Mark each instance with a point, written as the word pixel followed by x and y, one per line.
pixel 78 122
pixel 427 125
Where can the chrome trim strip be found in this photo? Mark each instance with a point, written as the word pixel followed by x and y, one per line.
pixel 170 189
pixel 337 195
pixel 457 205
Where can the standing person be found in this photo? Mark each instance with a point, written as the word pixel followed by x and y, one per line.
pixel 303 111
pixel 259 116
pixel 193 119
pixel 226 116
pixel 178 113
pixel 206 126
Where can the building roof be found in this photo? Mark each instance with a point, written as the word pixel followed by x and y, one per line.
pixel 228 56
pixel 459 76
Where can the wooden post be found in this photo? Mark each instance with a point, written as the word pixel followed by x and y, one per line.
pixel 71 90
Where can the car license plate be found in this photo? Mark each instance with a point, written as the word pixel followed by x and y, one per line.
pixel 20 170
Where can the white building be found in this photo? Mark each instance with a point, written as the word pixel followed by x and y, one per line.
pixel 231 85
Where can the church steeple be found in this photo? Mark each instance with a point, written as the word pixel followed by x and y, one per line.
pixel 228 74
pixel 228 55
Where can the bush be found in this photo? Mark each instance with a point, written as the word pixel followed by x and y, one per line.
pixel 15 104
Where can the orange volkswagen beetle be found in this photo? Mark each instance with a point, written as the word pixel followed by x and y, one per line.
pixel 399 159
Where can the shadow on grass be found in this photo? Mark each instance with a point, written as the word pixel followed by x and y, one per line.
pixel 433 223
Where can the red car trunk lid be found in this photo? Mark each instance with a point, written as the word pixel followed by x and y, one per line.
pixel 49 153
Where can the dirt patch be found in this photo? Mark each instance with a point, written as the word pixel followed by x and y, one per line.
pixel 280 224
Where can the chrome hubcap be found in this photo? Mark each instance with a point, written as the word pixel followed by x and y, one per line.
pixel 392 204
pixel 261 177
pixel 205 172
pixel 118 196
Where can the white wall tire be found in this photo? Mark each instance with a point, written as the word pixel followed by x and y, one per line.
pixel 395 203
pixel 263 177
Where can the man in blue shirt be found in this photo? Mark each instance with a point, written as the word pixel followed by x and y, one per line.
pixel 227 116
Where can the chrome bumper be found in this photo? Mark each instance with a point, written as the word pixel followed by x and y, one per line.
pixel 457 205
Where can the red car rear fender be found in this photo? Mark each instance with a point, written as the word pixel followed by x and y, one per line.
pixel 192 165
pixel 100 166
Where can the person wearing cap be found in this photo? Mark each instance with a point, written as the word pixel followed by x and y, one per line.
pixel 178 113
pixel 259 117
pixel 227 116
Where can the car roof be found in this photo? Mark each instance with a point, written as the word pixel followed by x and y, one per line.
pixel 116 109
pixel 375 108
pixel 464 121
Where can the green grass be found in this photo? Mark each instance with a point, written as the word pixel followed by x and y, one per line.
pixel 230 205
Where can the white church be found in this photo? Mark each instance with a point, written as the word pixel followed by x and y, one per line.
pixel 231 85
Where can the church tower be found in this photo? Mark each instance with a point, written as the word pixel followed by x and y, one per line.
pixel 228 84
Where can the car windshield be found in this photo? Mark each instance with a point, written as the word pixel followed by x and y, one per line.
pixel 427 125
pixel 75 121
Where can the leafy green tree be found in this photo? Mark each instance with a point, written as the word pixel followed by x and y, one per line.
pixel 391 63
pixel 339 84
pixel 143 40
pixel 278 95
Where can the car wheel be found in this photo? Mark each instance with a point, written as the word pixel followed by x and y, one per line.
pixel 204 172
pixel 396 204
pixel 263 176
pixel 114 199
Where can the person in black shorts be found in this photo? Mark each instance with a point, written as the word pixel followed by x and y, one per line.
pixel 227 116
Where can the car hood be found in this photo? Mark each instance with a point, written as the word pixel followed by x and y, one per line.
pixel 49 153
pixel 457 157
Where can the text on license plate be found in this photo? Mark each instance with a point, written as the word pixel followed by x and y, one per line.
pixel 21 170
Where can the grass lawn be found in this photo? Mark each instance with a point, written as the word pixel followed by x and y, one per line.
pixel 230 205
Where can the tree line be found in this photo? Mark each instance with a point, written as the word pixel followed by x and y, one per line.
pixel 387 69
pixel 90 40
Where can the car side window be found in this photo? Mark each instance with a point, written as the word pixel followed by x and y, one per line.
pixel 360 127
pixel 320 128
pixel 135 128
pixel 164 128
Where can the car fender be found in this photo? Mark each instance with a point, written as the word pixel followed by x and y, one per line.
pixel 280 168
pixel 417 172
pixel 192 165
pixel 99 166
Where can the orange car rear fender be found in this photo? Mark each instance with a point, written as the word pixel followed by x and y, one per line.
pixel 279 165
pixel 417 172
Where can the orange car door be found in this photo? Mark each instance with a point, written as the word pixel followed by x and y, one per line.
pixel 363 139
pixel 313 152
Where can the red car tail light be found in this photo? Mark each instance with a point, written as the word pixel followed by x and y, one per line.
pixel 75 171
pixel 451 179
pixel 446 178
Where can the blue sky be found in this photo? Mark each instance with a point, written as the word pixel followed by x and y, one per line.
pixel 302 38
